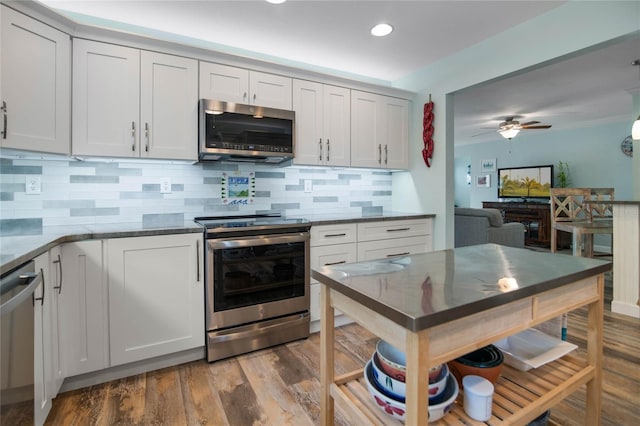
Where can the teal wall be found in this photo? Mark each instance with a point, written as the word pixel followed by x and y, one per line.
pixel 569 28
pixel 593 155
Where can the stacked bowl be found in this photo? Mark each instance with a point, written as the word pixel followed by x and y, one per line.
pixel 385 375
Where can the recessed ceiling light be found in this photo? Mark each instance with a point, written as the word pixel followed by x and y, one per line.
pixel 276 1
pixel 381 30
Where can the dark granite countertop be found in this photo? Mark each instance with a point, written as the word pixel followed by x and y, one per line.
pixel 424 290
pixel 17 249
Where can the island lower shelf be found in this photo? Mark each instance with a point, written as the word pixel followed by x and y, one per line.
pixel 517 393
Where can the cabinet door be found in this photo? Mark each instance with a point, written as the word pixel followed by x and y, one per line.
pixel 156 296
pixel 169 106
pixel 323 256
pixel 337 125
pixel 382 249
pixel 395 133
pixel 36 84
pixel 307 103
pixel 83 308
pixel 366 147
pixel 270 90
pixel 54 289
pixel 106 99
pixel 42 344
pixel 224 83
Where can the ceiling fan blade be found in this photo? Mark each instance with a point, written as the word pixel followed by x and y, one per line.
pixel 536 127
pixel 528 123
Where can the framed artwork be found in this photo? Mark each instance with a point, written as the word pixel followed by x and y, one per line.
pixel 483 181
pixel 488 165
pixel 238 189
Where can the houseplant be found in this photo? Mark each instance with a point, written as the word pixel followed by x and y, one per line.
pixel 564 179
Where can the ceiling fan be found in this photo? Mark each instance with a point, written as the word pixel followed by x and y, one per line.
pixel 510 127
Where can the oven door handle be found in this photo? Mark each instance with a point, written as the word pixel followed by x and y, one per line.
pixel 259 240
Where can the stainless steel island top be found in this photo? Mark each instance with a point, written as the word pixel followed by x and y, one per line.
pixel 424 290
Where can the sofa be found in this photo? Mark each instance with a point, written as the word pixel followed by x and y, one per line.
pixel 479 226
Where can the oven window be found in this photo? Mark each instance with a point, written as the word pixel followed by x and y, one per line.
pixel 259 274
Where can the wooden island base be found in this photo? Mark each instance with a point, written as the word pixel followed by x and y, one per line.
pixel 519 398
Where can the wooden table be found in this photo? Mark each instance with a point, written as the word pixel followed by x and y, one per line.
pixel 475 295
pixel 583 232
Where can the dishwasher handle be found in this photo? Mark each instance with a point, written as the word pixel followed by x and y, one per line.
pixel 28 279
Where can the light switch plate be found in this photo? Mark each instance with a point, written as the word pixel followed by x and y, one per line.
pixel 308 185
pixel 165 185
pixel 33 185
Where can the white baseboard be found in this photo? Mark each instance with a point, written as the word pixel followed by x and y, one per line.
pixel 625 309
pixel 139 367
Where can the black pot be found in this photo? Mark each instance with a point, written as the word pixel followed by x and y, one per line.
pixel 489 356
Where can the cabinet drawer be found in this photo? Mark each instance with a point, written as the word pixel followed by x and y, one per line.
pixel 370 231
pixel 394 247
pixel 332 255
pixel 333 234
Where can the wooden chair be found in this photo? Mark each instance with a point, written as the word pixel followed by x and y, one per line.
pixel 567 206
pixel 599 203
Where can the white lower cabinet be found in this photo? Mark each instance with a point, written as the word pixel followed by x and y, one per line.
pixel 350 242
pixel 156 296
pixel 41 344
pixel 82 308
pixel 379 240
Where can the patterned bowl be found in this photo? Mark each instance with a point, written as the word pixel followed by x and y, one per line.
pixel 394 362
pixel 397 408
pixel 397 389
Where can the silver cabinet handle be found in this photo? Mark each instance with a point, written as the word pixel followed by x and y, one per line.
pixel 197 261
pixel 146 136
pixel 320 144
pixel 386 154
pixel 59 286
pixel 399 254
pixel 340 262
pixel 328 149
pixel 3 108
pixel 41 298
pixel 254 97
pixel 398 229
pixel 133 135
pixel 335 235
pixel 379 153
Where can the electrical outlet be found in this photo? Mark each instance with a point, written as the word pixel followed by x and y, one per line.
pixel 33 185
pixel 165 185
pixel 308 185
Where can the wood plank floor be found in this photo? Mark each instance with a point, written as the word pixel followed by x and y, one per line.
pixel 280 386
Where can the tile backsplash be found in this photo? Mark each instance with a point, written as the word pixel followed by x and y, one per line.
pixel 91 192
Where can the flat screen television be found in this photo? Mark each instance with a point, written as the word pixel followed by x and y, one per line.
pixel 525 182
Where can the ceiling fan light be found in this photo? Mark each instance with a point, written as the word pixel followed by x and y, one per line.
pixel 635 129
pixel 381 30
pixel 509 133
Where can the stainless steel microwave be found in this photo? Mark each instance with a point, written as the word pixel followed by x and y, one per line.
pixel 237 132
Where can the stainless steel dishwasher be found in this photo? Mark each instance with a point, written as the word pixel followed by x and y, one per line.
pixel 17 344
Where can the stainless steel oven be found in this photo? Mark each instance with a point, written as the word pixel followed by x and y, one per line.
pixel 257 283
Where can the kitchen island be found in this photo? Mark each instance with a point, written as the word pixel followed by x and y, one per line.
pixel 440 305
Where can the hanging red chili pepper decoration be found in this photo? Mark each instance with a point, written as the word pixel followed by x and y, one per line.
pixel 427 132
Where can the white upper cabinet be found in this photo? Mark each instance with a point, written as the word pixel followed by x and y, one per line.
pixel 379 131
pixel 132 103
pixel 323 120
pixel 239 85
pixel 35 85
pixel 169 106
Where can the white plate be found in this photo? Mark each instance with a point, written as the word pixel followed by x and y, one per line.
pixel 532 348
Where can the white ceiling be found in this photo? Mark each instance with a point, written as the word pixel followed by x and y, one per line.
pixel 333 37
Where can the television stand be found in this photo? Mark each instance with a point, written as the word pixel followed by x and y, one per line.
pixel 535 216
